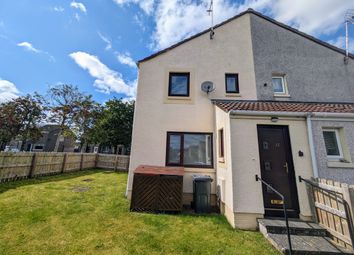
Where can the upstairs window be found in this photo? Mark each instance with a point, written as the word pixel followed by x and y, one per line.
pixel 231 83
pixel 332 143
pixel 189 149
pixel 178 84
pixel 279 86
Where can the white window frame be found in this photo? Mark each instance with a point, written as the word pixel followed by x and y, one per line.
pixel 284 85
pixel 340 148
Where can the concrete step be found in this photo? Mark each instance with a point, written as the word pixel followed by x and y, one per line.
pixel 306 238
pixel 309 245
pixel 275 226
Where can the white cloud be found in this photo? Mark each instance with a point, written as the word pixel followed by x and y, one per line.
pixel 146 5
pixel 178 19
pixel 107 80
pixel 138 19
pixel 340 43
pixel 77 5
pixel 58 9
pixel 125 59
pixel 28 46
pixel 106 40
pixel 77 16
pixel 311 16
pixel 8 91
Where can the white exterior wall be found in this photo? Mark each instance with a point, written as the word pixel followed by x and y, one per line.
pixel 248 197
pixel 229 52
pixel 224 165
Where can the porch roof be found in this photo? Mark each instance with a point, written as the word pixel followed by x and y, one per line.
pixel 284 106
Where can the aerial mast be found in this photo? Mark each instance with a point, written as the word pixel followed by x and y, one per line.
pixel 211 14
pixel 349 19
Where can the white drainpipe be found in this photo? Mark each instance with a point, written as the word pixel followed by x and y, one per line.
pixel 306 115
pixel 312 146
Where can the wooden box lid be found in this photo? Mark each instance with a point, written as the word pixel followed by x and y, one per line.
pixel 159 170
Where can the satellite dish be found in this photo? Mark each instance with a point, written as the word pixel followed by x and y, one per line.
pixel 207 87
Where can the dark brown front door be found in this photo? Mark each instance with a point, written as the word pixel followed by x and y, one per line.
pixel 277 169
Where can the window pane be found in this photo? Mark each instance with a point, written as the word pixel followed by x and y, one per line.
pixel 179 85
pixel 197 149
pixel 174 149
pixel 278 85
pixel 232 83
pixel 331 143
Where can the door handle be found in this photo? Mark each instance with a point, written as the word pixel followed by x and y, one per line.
pixel 286 167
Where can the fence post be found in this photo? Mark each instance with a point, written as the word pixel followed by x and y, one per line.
pixel 96 160
pixel 33 166
pixel 116 163
pixel 64 163
pixel 82 158
pixel 348 197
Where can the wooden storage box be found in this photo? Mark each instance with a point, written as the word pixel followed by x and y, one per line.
pixel 157 189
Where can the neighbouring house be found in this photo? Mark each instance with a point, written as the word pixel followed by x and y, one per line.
pixel 283 107
pixel 120 149
pixel 47 143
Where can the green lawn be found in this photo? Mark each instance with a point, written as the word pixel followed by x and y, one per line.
pixel 59 215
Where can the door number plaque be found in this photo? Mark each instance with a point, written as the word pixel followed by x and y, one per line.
pixel 276 202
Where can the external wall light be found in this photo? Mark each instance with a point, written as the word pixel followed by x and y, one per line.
pixel 274 119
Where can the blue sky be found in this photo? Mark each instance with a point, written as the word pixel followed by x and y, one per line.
pixel 94 43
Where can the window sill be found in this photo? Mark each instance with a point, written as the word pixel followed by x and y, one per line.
pixel 233 95
pixel 199 170
pixel 338 164
pixel 178 100
pixel 282 95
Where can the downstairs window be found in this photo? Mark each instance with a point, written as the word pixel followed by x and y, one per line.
pixel 189 149
pixel 332 143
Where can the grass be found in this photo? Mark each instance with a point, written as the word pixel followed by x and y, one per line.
pixel 50 216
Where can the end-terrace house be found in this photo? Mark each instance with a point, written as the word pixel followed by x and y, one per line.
pixel 283 107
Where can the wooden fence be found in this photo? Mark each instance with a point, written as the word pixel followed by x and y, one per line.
pixel 14 166
pixel 333 204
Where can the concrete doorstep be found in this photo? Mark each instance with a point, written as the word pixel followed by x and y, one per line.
pixel 306 238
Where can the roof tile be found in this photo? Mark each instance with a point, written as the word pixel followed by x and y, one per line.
pixel 280 106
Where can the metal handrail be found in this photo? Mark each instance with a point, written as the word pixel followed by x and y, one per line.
pixel 284 209
pixel 337 197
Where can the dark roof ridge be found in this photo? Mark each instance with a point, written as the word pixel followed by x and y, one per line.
pixel 249 10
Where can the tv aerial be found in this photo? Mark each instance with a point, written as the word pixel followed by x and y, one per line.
pixel 207 87
pixel 210 11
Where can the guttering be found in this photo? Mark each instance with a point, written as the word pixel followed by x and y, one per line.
pixel 292 114
pixel 333 115
pixel 263 113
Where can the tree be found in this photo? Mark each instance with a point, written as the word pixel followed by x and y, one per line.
pixel 114 127
pixel 65 105
pixel 21 117
pixel 9 124
pixel 88 111
pixel 31 112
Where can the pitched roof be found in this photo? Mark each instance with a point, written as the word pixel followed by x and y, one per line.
pixel 291 29
pixel 281 106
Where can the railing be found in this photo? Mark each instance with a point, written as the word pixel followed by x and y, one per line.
pixel 284 209
pixel 332 212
